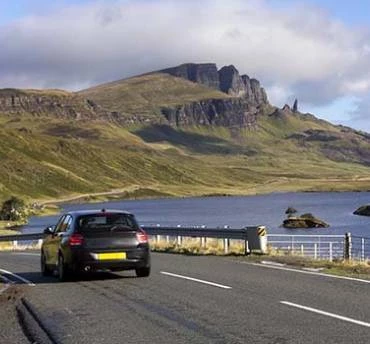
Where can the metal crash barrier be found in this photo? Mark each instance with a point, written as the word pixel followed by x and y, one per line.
pixel 253 238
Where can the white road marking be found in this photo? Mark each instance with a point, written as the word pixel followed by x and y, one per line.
pixel 332 315
pixel 311 273
pixel 196 280
pixel 26 254
pixel 18 277
pixel 313 269
pixel 267 262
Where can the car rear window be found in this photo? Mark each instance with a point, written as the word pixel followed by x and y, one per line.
pixel 106 221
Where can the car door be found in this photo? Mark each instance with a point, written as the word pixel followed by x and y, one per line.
pixel 54 242
pixel 49 241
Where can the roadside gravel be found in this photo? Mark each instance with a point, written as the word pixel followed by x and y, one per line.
pixel 10 329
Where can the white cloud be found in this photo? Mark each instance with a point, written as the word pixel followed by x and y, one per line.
pixel 360 115
pixel 295 52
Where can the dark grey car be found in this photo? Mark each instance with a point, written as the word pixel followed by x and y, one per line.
pixel 84 241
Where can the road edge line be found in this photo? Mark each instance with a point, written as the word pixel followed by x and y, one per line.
pixel 24 280
pixel 7 282
pixel 310 272
pixel 328 314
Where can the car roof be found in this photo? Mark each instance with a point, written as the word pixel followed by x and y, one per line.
pixel 97 211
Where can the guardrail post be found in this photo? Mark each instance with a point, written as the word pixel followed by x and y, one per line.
pixel 348 246
pixel 226 246
pixel 179 240
pixel 330 251
pixel 362 249
pixel 315 250
pixel 247 251
pixel 302 250
pixel 167 239
pixel 203 242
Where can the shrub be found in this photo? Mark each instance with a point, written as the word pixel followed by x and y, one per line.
pixel 13 209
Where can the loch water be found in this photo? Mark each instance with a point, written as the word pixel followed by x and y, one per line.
pixel 335 208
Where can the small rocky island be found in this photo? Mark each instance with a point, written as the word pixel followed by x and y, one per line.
pixel 303 221
pixel 363 210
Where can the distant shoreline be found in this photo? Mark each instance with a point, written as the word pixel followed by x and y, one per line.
pixel 120 195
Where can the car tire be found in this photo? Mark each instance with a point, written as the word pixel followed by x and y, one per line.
pixel 45 271
pixel 143 272
pixel 63 272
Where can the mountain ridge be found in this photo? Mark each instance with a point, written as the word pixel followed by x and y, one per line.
pixel 201 95
pixel 227 80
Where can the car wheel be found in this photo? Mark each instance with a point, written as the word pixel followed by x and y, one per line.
pixel 62 269
pixel 45 271
pixel 143 272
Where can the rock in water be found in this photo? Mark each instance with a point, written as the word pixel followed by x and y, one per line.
pixel 290 210
pixel 304 221
pixel 363 210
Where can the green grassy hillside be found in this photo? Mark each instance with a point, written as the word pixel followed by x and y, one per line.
pixel 46 154
pixel 57 158
pixel 144 94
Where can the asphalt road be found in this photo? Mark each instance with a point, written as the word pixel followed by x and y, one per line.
pixel 191 299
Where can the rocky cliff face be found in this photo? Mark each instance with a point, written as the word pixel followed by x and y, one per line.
pixel 204 73
pixel 55 103
pixel 240 110
pixel 231 112
pixel 64 105
pixel 227 80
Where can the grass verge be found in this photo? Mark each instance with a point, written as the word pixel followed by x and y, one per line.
pixel 193 246
pixel 340 267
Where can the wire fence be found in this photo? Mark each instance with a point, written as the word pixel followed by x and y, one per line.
pixel 360 248
pixel 315 246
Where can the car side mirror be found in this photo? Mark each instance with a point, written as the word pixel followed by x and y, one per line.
pixel 49 230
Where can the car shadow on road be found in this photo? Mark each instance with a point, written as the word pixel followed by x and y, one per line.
pixel 37 278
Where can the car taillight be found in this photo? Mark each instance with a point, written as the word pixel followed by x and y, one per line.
pixel 142 237
pixel 76 240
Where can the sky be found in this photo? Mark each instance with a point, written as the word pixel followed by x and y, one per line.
pixel 317 51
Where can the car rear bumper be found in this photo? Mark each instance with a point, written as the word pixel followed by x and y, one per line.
pixel 88 261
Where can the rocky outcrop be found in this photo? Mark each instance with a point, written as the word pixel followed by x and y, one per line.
pixel 295 106
pixel 286 108
pixel 281 114
pixel 202 73
pixel 231 112
pixel 316 135
pixel 54 103
pixel 363 210
pixel 227 80
pixel 304 221
pixel 232 83
pixel 62 105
